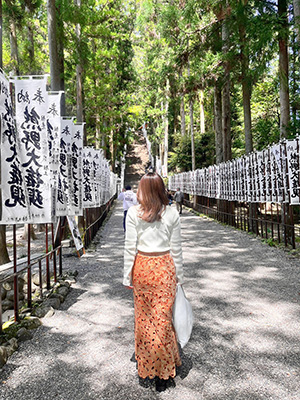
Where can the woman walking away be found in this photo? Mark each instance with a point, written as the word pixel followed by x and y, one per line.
pixel 153 265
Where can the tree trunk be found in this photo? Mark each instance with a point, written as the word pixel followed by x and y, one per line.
pixel 246 82
pixel 166 136
pixel 79 71
pixel 26 231
pixel 103 138
pixel 30 42
pixel 247 116
pixel 4 258
pixel 218 123
pixel 79 98
pixel 293 78
pixel 283 36
pixel 53 50
pixel 79 103
pixel 192 134
pixel 14 47
pixel 296 4
pixel 98 132
pixel 191 104
pixel 182 111
pixel 31 49
pixel 202 116
pixel 226 112
pixel 60 53
pixel 111 142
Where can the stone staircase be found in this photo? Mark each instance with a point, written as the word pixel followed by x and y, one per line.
pixel 137 161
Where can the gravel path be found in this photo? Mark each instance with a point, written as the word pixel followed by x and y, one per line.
pixel 246 339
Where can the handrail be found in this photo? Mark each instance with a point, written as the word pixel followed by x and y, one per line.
pixel 273 227
pixel 37 260
pixel 28 267
pixel 93 228
pixel 94 223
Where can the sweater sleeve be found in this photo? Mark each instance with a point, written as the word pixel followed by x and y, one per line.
pixel 176 250
pixel 130 246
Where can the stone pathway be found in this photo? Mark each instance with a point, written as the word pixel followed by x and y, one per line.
pixel 246 339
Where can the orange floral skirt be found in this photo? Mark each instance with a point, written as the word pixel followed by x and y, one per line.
pixel 154 288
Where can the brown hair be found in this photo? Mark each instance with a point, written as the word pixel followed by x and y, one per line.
pixel 152 197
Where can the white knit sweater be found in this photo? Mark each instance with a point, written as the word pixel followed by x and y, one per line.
pixel 158 236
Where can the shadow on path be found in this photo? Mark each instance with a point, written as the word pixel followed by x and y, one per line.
pixel 245 342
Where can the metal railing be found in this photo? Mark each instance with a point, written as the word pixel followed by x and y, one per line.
pixel 29 268
pixel 94 218
pixel 269 220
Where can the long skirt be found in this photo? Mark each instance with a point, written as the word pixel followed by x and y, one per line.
pixel 154 288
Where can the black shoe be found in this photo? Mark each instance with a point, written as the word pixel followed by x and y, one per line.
pixel 170 383
pixel 145 382
pixel 160 384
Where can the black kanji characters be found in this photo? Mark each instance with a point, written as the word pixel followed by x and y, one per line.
pixel 33 159
pixel 38 96
pixel 23 97
pixel 53 110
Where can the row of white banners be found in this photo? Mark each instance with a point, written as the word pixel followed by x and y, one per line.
pixel 270 175
pixel 45 170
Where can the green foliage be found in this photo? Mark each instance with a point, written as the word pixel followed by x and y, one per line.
pixel 271 242
pixel 265 106
pixel 181 159
pixel 104 51
pixel 141 59
pixel 35 18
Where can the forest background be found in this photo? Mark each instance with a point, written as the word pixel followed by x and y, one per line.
pixel 213 80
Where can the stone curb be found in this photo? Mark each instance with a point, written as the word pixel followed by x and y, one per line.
pixel 15 333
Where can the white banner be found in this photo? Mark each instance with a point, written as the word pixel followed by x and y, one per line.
pixel 274 174
pixel 284 167
pixel 76 149
pixel 96 158
pixel 87 176
pixel 260 159
pixel 14 195
pixel 292 151
pixel 31 117
pixel 234 180
pixel 277 172
pixel 268 175
pixel 53 134
pixel 248 178
pixel 255 197
pixel 64 175
pixel 222 181
pixel 230 181
pixel 107 181
pixel 75 233
pixel 102 180
pixel 41 158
